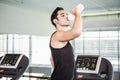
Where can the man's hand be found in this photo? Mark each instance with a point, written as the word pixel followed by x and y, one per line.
pixel 78 9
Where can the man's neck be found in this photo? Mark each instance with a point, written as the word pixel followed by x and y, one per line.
pixel 63 28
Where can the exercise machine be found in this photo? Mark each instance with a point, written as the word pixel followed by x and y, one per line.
pixel 13 65
pixel 93 67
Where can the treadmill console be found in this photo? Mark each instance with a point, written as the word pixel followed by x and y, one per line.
pixel 13 65
pixel 88 64
pixel 10 61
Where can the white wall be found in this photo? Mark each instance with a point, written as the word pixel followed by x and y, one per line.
pixel 18 20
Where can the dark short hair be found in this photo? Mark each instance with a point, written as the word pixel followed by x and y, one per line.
pixel 54 14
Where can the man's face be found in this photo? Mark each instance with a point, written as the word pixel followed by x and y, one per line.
pixel 62 18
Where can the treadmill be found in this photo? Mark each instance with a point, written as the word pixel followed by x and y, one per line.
pixel 13 65
pixel 93 67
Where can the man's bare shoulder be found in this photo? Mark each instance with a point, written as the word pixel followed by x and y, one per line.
pixel 59 33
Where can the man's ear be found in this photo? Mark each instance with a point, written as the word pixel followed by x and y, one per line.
pixel 55 21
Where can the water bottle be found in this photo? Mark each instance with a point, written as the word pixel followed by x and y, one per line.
pixel 80 8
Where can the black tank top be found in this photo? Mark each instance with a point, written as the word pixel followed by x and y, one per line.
pixel 63 62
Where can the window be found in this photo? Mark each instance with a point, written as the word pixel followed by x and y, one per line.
pixel 3 44
pixel 40 50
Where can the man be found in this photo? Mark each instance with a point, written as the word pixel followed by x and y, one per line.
pixel 62 58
